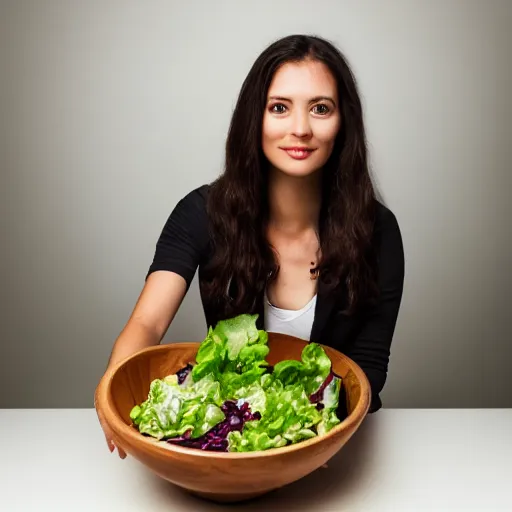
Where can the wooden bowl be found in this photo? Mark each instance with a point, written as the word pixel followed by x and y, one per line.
pixel 224 477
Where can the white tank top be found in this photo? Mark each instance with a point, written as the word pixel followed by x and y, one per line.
pixel 296 323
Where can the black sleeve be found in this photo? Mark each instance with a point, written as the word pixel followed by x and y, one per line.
pixel 371 348
pixel 184 239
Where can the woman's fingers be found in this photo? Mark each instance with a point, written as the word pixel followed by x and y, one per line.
pixel 109 437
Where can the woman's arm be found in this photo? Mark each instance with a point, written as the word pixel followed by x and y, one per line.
pixel 154 311
pixel 181 246
pixel 156 307
pixel 371 347
pixel 179 250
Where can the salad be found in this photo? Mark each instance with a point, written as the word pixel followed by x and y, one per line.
pixel 232 400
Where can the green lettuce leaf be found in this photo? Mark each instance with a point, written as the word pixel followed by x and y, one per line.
pixel 330 402
pixel 311 371
pixel 252 441
pixel 289 371
pixel 238 333
pixel 171 410
pixel 287 416
pixel 317 366
pixel 332 394
pixel 210 357
pixel 254 395
pixel 329 420
pixel 231 365
pixel 232 383
pixel 235 346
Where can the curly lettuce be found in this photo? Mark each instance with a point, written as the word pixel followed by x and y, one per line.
pixel 232 400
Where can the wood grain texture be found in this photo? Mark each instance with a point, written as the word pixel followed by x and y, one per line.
pixel 224 477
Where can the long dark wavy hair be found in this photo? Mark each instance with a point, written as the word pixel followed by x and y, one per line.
pixel 243 260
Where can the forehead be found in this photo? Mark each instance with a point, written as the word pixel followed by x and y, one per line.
pixel 304 79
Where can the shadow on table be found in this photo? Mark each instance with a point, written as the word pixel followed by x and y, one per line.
pixel 347 475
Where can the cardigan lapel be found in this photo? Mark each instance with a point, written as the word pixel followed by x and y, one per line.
pixel 324 306
pixel 260 311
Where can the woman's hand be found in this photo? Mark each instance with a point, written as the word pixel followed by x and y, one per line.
pixel 158 303
pixel 108 433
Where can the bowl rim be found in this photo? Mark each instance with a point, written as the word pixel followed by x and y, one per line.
pixel 121 429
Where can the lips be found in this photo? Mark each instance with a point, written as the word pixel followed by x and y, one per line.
pixel 298 153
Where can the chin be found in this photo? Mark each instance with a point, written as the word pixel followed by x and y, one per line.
pixel 298 170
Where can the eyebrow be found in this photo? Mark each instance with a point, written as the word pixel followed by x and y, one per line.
pixel 313 100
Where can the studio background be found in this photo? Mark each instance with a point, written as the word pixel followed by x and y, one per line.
pixel 111 111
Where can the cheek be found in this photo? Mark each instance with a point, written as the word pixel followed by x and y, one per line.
pixel 326 132
pixel 273 129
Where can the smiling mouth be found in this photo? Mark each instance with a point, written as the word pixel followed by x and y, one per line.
pixel 298 153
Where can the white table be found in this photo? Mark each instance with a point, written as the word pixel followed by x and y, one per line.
pixel 399 460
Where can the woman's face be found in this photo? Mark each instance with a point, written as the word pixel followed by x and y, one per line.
pixel 301 112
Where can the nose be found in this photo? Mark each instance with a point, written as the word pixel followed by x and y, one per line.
pixel 301 127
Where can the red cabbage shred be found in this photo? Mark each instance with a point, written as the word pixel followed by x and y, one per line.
pixel 318 395
pixel 183 373
pixel 216 438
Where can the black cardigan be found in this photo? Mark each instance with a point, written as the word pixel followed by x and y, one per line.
pixel 184 246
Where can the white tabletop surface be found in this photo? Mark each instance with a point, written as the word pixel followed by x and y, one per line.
pixel 399 460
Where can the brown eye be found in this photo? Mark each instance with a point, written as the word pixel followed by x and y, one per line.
pixel 324 109
pixel 278 108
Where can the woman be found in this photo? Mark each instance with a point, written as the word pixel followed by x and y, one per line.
pixel 292 229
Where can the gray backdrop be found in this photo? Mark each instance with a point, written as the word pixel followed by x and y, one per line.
pixel 111 111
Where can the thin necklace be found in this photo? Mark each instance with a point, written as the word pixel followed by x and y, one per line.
pixel 314 271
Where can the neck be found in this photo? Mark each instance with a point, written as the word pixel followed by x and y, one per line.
pixel 294 202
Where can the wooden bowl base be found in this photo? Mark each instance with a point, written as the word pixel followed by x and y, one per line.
pixel 229 498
